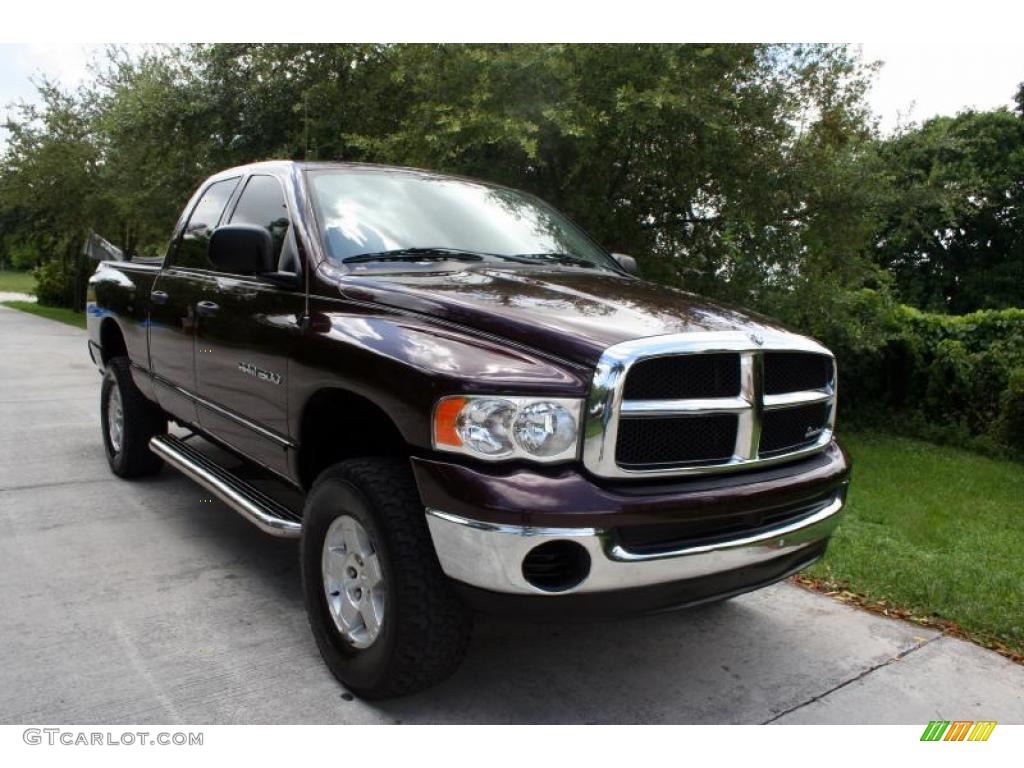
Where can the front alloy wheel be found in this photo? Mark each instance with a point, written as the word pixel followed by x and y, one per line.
pixel 354 584
pixel 384 616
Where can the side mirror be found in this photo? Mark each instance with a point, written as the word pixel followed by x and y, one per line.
pixel 628 263
pixel 245 249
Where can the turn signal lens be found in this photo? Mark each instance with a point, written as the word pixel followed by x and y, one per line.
pixel 446 416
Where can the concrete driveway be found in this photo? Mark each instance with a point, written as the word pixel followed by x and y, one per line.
pixel 136 602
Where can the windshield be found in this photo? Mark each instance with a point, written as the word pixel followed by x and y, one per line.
pixel 366 213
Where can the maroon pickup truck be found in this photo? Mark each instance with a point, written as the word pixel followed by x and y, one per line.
pixel 472 405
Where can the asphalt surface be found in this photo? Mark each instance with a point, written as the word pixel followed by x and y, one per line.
pixel 138 602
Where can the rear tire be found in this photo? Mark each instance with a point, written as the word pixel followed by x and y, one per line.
pixel 415 630
pixel 128 421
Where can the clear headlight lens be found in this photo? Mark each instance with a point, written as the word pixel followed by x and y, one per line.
pixel 544 429
pixel 541 429
pixel 484 425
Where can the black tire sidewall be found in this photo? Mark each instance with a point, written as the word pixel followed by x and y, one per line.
pixel 359 668
pixel 143 419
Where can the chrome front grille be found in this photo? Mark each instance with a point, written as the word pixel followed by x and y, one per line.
pixel 708 402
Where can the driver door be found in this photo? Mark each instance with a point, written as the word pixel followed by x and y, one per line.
pixel 244 335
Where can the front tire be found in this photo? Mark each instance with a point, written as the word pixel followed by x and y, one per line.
pixel 128 421
pixel 383 614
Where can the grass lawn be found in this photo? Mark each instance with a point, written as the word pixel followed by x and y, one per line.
pixel 60 314
pixel 20 282
pixel 935 531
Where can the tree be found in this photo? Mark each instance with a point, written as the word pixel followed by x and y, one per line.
pixel 692 157
pixel 154 116
pixel 733 170
pixel 48 185
pixel 953 224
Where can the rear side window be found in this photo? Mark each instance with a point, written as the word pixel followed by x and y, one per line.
pixel 201 223
pixel 262 203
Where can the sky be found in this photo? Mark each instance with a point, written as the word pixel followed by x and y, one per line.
pixel 66 62
pixel 916 82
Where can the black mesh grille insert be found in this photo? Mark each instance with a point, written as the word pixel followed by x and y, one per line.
pixel 789 429
pixel 684 376
pixel 668 441
pixel 795 372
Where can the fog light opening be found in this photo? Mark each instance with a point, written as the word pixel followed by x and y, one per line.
pixel 556 566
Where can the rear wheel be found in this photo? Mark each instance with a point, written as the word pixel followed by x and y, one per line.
pixel 128 421
pixel 384 616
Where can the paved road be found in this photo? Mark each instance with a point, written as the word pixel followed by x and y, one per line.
pixel 136 603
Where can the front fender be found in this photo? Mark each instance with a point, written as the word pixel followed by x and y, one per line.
pixel 404 364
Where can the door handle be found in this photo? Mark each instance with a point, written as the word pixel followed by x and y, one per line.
pixel 159 297
pixel 207 308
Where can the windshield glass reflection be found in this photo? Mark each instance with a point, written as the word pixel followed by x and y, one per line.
pixel 364 211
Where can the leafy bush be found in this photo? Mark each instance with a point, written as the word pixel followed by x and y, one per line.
pixel 55 284
pixel 1011 412
pixel 953 379
pixel 20 255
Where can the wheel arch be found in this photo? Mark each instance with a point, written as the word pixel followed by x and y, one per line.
pixel 112 342
pixel 338 424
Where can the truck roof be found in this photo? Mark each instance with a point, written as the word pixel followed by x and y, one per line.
pixel 292 166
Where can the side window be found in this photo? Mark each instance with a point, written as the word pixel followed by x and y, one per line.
pixel 201 223
pixel 262 203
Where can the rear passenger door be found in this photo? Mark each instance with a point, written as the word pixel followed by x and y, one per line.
pixel 173 299
pixel 244 339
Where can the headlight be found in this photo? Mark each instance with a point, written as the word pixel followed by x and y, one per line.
pixel 496 428
pixel 483 426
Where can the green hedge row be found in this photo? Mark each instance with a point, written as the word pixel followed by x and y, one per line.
pixel 956 379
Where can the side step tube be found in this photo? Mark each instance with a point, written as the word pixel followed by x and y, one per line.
pixel 255 506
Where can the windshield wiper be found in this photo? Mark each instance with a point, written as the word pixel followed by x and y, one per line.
pixel 415 254
pixel 559 258
pixel 436 253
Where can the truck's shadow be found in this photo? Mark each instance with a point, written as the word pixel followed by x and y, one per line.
pixel 613 671
pixel 624 671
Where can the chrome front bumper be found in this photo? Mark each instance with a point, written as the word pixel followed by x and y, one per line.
pixel 490 556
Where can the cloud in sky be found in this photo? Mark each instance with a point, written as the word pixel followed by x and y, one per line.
pixel 918 82
pixel 60 61
pixel 20 64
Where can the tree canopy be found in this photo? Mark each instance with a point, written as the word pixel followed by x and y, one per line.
pixel 952 230
pixel 752 173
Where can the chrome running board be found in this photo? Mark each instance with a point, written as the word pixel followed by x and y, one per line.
pixel 255 506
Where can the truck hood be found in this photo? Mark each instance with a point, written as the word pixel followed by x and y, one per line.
pixel 572 313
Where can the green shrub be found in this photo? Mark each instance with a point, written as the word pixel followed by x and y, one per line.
pixel 55 284
pixel 950 379
pixel 21 255
pixel 1010 428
